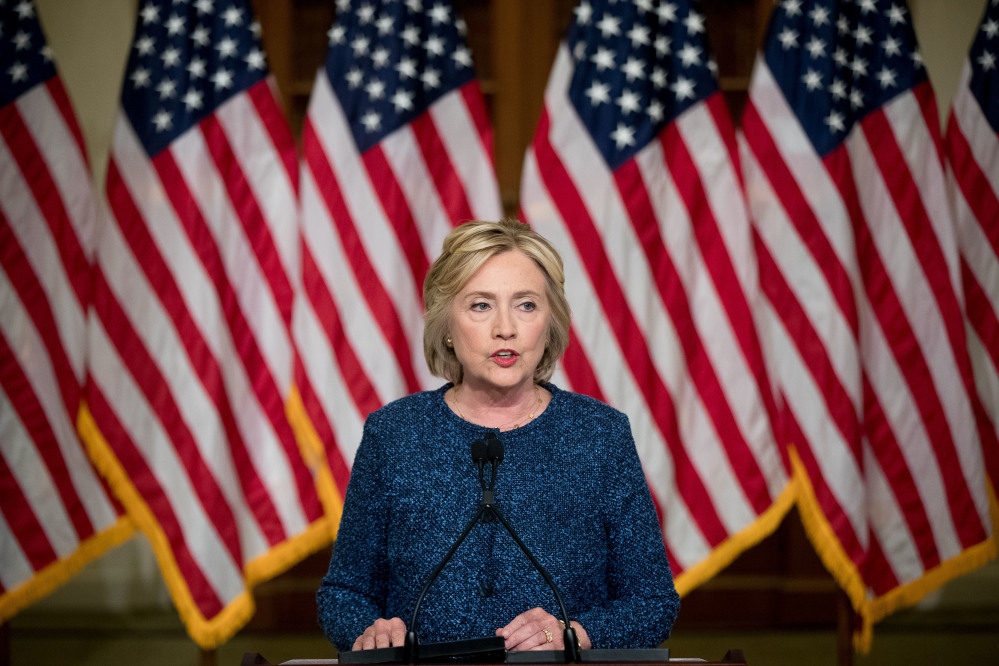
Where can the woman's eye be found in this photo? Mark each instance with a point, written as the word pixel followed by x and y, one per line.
pixel 529 306
pixel 480 307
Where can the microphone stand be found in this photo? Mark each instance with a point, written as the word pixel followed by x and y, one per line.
pixel 491 450
pixel 569 639
pixel 411 645
pixel 488 450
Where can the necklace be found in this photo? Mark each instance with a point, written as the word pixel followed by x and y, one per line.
pixel 505 426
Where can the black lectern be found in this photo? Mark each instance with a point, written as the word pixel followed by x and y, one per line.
pixel 601 657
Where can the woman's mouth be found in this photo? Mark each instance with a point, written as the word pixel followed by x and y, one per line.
pixel 505 357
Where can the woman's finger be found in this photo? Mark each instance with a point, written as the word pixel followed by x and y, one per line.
pixel 527 631
pixel 381 634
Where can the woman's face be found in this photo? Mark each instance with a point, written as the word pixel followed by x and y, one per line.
pixel 499 323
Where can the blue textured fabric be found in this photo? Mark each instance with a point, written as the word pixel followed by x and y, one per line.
pixel 572 486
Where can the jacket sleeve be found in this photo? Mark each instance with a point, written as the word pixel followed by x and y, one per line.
pixel 352 594
pixel 642 600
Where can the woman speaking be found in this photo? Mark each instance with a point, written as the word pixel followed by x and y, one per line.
pixel 571 484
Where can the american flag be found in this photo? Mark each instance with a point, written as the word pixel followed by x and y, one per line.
pixel 972 145
pixel 858 260
pixel 55 513
pixel 632 175
pixel 397 149
pixel 190 348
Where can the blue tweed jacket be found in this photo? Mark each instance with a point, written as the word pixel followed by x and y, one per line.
pixel 572 486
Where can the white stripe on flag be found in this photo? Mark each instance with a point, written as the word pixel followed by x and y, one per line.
pixel 379 243
pixel 473 167
pixel 142 425
pixel 239 264
pixel 272 189
pixel 39 489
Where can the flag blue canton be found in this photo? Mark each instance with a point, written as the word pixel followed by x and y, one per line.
pixel 187 58
pixel 389 61
pixel 25 60
pixel 838 61
pixel 984 57
pixel 638 65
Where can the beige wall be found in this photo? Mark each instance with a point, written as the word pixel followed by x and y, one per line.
pixel 90 40
pixel 945 29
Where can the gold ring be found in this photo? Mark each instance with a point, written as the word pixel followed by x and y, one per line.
pixel 548 636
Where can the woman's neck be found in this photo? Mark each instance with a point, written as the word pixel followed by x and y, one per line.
pixel 505 410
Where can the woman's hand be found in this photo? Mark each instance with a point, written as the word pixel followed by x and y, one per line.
pixel 537 629
pixel 381 634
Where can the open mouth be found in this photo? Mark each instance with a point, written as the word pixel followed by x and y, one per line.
pixel 505 357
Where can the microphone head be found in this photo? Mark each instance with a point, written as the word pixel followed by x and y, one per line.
pixel 478 451
pixel 495 448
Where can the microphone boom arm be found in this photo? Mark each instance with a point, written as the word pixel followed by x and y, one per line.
pixel 490 450
pixel 569 640
pixel 440 566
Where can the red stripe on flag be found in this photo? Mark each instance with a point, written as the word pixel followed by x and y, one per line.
pixel 244 201
pixel 133 462
pixel 35 171
pixel 812 351
pixel 321 422
pixel 576 364
pixel 272 119
pixel 145 369
pixel 57 91
pixel 800 214
pixel 471 93
pixel 34 299
pixel 397 211
pixel 878 570
pixel 361 389
pixel 974 184
pixel 824 496
pixel 626 330
pixel 982 317
pixel 24 400
pixel 374 291
pixel 898 330
pixel 23 522
pixel 441 170
pixel 669 284
pixel 990 441
pixel 899 477
pixel 986 325
pixel 579 370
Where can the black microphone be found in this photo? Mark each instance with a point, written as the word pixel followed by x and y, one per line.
pixel 479 456
pixel 479 452
pixel 494 454
pixel 494 447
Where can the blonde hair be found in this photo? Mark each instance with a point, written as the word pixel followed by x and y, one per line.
pixel 466 248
